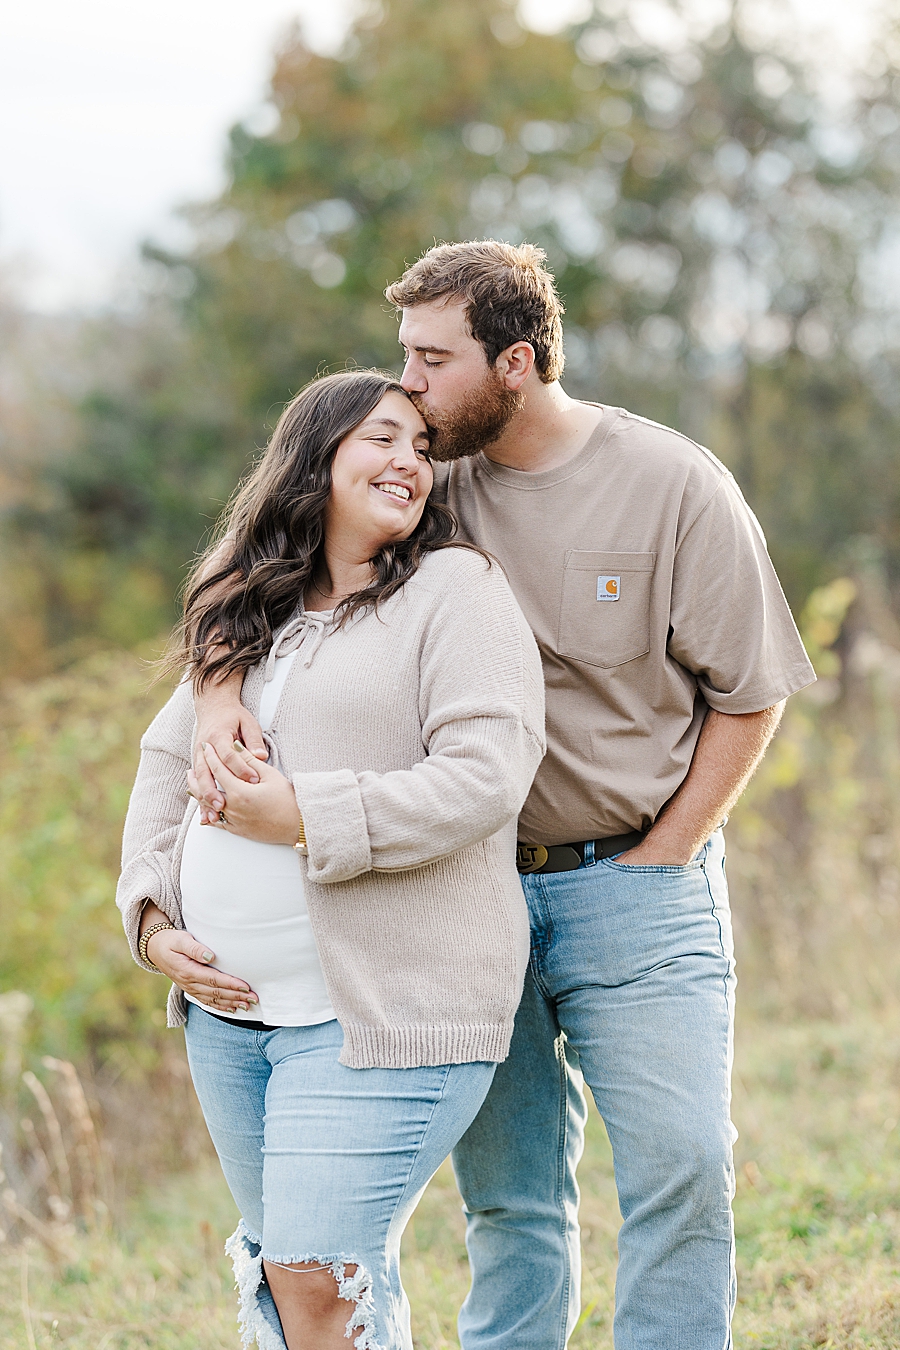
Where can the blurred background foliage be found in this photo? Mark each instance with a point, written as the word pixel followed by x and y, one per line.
pixel 726 243
pixel 726 239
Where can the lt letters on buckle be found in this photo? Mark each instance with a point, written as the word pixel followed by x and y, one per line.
pixel 529 857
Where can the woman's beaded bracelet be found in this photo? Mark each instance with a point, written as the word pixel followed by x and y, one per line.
pixel 145 938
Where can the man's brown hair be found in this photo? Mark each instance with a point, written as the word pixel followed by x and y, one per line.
pixel 510 296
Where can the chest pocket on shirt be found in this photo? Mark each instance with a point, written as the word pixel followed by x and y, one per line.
pixel 604 618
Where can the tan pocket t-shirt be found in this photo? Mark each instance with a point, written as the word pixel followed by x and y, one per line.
pixel 604 617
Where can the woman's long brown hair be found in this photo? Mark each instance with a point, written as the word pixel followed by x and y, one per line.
pixel 250 580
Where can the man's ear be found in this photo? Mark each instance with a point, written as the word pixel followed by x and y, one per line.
pixel 515 364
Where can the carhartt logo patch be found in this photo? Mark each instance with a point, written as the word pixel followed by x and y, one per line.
pixel 608 588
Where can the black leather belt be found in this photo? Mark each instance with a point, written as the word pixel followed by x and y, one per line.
pixel 566 857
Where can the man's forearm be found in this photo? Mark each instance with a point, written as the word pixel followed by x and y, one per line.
pixel 222 720
pixel 729 748
pixel 220 693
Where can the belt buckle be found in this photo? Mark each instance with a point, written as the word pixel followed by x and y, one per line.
pixel 530 858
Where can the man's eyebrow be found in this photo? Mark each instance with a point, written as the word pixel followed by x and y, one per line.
pixel 438 351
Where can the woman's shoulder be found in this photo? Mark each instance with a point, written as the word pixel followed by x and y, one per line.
pixel 465 580
pixel 459 562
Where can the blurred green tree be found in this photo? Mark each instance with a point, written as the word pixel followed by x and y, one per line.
pixel 721 244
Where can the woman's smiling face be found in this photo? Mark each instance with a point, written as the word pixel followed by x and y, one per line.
pixel 381 477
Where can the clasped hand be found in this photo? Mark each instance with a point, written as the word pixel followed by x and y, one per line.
pixel 266 810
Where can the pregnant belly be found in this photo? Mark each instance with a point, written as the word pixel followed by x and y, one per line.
pixel 245 901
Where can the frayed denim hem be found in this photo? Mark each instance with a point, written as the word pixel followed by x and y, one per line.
pixel 257 1309
pixel 257 1315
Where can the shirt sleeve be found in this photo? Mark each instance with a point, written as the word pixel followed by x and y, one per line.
pixel 482 714
pixel 156 813
pixel 730 624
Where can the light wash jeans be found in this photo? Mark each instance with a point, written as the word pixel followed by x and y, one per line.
pixel 325 1163
pixel 632 981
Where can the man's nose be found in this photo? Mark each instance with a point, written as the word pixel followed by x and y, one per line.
pixel 413 380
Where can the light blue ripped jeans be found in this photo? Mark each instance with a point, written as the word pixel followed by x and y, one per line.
pixel 632 985
pixel 325 1163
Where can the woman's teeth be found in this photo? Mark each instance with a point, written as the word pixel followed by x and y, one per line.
pixel 395 490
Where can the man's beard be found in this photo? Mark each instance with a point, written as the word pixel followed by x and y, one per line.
pixel 476 423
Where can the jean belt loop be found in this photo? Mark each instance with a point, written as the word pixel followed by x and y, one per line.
pixel 589 853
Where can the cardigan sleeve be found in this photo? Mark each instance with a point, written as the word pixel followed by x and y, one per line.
pixel 155 816
pixel 481 706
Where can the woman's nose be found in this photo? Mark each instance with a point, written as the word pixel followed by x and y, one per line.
pixel 405 459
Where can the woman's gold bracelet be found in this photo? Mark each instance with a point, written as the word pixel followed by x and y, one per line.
pixel 145 938
pixel 300 845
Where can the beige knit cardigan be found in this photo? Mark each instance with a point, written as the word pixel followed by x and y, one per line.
pixel 411 737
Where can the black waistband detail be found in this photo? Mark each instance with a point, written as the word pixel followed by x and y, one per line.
pixel 532 858
pixel 238 1021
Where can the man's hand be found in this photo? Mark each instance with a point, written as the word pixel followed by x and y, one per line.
pixel 266 810
pixel 221 720
pixel 728 751
pixel 187 962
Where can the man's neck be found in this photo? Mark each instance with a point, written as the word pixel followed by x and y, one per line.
pixel 550 430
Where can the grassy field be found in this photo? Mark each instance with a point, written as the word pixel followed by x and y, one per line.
pixel 818 1218
pixel 815 872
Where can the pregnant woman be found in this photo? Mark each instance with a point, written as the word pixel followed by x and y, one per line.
pixel 348 939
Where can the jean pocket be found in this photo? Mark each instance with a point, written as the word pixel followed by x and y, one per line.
pixel 660 869
pixel 604 617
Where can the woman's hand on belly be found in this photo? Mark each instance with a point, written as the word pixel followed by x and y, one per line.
pixel 266 811
pixel 187 963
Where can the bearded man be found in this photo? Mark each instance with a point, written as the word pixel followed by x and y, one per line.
pixel 668 652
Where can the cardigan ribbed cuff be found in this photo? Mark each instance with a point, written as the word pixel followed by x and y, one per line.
pixel 334 821
pixel 372 1047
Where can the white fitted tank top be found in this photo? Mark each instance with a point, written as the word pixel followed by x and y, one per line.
pixel 245 901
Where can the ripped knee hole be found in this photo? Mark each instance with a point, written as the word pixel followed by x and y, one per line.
pixel 308 1268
